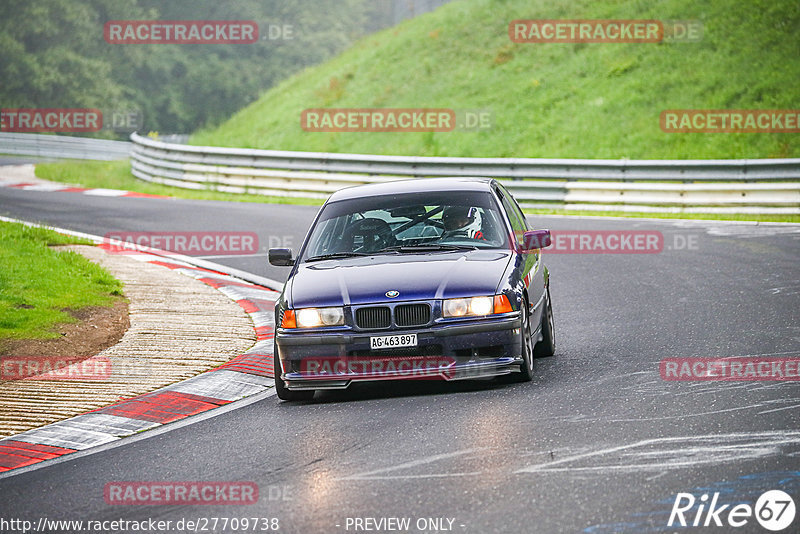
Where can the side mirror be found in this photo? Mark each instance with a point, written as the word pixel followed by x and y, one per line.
pixel 536 239
pixel 282 257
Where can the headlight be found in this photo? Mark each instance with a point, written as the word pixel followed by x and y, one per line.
pixel 468 306
pixel 314 317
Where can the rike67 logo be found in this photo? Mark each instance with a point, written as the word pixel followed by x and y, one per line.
pixel 774 510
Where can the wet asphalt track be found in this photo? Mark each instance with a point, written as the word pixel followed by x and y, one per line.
pixel 596 443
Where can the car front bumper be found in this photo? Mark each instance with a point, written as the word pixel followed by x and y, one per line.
pixel 458 350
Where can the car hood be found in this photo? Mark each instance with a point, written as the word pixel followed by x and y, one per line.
pixel 415 276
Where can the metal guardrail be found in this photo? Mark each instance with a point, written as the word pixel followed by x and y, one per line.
pixel 733 186
pixel 63 147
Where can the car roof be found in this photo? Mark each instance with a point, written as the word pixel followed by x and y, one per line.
pixel 413 185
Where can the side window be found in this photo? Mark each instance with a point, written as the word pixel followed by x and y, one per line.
pixel 518 211
pixel 515 215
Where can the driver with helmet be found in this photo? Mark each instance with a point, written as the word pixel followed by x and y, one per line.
pixel 457 219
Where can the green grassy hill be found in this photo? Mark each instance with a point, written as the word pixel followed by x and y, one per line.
pixel 548 100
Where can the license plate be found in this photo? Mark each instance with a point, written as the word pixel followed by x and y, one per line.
pixel 391 342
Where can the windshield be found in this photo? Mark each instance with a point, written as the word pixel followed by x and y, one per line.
pixel 407 223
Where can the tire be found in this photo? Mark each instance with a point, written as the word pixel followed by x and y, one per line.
pixel 547 346
pixel 525 373
pixel 280 385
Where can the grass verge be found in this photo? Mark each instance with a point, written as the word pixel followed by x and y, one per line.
pixel 550 100
pixel 39 285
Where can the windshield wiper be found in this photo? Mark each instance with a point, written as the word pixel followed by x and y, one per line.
pixel 427 248
pixel 336 255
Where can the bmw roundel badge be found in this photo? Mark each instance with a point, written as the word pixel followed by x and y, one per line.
pixel 392 294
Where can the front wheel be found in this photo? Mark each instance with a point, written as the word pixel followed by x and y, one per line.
pixel 280 385
pixel 525 373
pixel 547 346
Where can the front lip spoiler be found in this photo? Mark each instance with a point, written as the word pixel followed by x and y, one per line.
pixel 508 321
pixel 456 371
